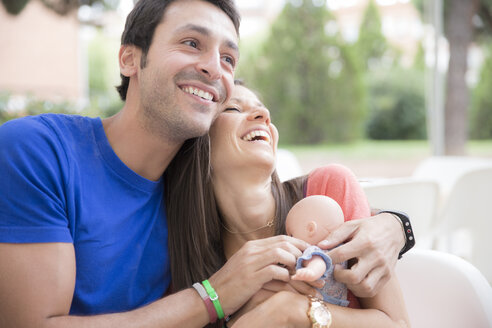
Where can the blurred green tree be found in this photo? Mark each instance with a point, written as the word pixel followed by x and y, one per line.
pixel 371 44
pixel 464 23
pixel 396 105
pixel 61 7
pixel 308 77
pixel 481 109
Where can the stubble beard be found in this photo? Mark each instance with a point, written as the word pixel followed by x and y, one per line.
pixel 163 117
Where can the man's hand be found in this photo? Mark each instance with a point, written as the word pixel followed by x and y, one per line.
pixel 374 244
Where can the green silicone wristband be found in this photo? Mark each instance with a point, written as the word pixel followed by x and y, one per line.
pixel 214 298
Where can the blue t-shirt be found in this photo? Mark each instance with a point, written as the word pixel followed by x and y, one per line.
pixel 60 181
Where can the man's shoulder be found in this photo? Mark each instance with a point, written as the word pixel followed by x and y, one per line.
pixel 44 124
pixel 45 128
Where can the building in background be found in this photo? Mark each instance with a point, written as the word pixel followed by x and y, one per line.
pixel 41 54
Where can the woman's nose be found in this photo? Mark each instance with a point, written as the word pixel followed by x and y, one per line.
pixel 262 114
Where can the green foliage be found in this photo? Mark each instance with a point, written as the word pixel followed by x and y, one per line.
pixel 308 77
pixel 101 106
pixel 61 7
pixel 419 60
pixel 32 106
pixel 481 109
pixel 14 7
pixel 103 72
pixel 397 105
pixel 371 45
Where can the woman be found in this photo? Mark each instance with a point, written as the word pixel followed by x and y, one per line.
pixel 243 200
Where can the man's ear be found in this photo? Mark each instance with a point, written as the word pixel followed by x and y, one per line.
pixel 311 228
pixel 129 59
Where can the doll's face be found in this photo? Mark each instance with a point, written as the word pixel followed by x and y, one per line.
pixel 313 218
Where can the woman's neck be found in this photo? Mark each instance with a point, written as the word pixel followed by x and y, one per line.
pixel 247 205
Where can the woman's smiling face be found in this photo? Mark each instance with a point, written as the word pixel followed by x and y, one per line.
pixel 243 134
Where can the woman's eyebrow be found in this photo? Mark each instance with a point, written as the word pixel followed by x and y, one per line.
pixel 241 101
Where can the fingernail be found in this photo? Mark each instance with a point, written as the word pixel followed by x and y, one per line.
pixel 323 243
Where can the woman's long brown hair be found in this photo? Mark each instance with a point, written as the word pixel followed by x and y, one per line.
pixel 194 221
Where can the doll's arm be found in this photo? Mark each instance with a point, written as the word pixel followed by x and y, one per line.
pixel 312 269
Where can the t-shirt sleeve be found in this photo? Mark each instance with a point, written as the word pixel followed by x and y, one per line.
pixel 32 183
pixel 339 183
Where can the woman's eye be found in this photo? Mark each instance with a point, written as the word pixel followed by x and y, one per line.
pixel 232 109
pixel 191 43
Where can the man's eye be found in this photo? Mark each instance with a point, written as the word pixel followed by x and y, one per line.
pixel 232 109
pixel 230 60
pixel 191 43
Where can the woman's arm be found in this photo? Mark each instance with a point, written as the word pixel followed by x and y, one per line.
pixel 287 309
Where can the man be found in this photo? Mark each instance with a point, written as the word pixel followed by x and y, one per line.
pixel 83 233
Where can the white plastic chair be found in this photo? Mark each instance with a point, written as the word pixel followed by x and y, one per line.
pixel 446 170
pixel 464 225
pixel 443 290
pixel 417 198
pixel 288 166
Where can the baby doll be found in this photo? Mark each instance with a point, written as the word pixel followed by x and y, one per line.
pixel 312 219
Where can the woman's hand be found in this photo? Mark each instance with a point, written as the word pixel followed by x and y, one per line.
pixel 375 243
pixel 298 287
pixel 283 309
pixel 273 287
pixel 255 264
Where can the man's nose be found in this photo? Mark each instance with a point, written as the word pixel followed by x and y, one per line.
pixel 209 65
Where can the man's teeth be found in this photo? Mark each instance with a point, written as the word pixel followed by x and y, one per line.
pixel 257 135
pixel 199 93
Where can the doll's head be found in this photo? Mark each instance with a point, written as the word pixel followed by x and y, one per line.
pixel 313 218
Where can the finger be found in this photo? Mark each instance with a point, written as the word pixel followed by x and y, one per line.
pixel 371 284
pixel 339 235
pixel 251 257
pixel 352 249
pixel 277 286
pixel 318 283
pixel 374 281
pixel 299 244
pixel 289 244
pixel 346 276
pixel 272 272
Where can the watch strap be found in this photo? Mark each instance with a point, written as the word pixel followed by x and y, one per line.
pixel 407 230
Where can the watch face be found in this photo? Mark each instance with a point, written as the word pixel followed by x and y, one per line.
pixel 321 314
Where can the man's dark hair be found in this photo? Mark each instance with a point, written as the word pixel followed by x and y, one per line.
pixel 143 20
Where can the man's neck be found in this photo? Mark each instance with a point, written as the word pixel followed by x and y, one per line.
pixel 145 154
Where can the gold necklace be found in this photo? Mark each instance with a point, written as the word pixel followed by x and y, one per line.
pixel 269 224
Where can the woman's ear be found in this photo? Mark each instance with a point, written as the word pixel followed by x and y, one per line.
pixel 311 228
pixel 129 60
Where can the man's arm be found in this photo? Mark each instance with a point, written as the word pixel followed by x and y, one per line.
pixel 375 242
pixel 37 283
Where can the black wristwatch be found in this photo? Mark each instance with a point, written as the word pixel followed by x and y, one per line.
pixel 407 230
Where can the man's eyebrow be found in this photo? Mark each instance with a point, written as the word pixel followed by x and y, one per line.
pixel 194 27
pixel 205 31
